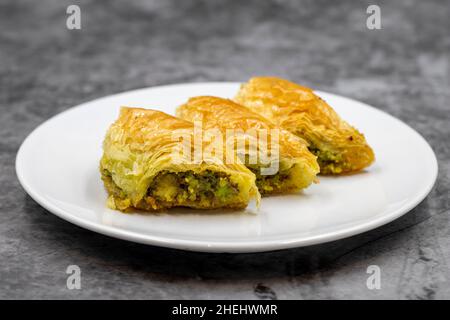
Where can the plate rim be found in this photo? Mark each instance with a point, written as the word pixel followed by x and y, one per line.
pixel 246 246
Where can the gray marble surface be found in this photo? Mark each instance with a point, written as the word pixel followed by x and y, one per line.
pixel 45 68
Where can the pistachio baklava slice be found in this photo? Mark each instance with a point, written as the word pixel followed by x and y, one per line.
pixel 143 167
pixel 339 147
pixel 281 161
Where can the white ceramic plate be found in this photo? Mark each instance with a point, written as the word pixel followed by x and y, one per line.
pixel 58 167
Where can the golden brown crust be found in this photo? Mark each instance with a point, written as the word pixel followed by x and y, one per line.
pixel 225 114
pixel 215 112
pixel 140 144
pixel 341 147
pixel 141 128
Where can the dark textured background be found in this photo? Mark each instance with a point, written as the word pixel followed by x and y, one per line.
pixel 45 68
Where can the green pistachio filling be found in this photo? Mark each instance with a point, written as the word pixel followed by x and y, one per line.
pixel 329 162
pixel 269 183
pixel 169 189
pixel 207 187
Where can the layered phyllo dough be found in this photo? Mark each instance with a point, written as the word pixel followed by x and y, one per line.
pixel 280 161
pixel 340 148
pixel 143 167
